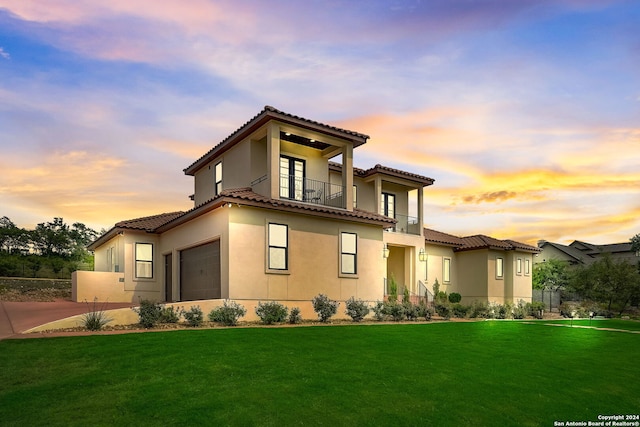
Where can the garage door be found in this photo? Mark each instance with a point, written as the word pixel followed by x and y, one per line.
pixel 200 272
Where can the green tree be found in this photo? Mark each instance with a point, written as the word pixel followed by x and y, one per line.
pixel 635 247
pixel 552 274
pixel 613 282
pixel 53 238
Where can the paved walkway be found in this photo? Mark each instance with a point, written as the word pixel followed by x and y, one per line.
pixel 17 317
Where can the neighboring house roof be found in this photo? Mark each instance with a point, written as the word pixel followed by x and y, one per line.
pixel 267 114
pixel 570 251
pixel 242 197
pixel 384 170
pixel 479 241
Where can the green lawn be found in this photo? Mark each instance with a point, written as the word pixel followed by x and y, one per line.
pixel 628 325
pixel 457 374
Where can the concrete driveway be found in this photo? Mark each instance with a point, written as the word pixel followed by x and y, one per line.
pixel 17 317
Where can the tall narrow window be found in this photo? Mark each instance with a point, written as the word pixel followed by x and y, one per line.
pixel 499 268
pixel 278 247
pixel 111 259
pixel 355 196
pixel 388 205
pixel 144 260
pixel 218 177
pixel 292 178
pixel 527 267
pixel 348 253
pixel 519 266
pixel 446 270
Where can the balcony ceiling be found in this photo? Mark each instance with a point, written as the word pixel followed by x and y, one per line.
pixel 304 141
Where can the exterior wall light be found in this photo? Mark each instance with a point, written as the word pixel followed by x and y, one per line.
pixel 422 255
pixel 385 251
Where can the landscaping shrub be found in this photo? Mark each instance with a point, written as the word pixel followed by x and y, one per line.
pixel 443 310
pixel 535 309
pixel 228 314
pixel 406 297
pixel 294 316
pixel 378 311
pixel 356 309
pixel 395 310
pixel 193 316
pixel 424 310
pixel 271 312
pixel 455 297
pixel 411 311
pixel 479 309
pixel 149 313
pixel 393 289
pixel 459 310
pixel 169 314
pixel 325 307
pixel 95 318
pixel 520 311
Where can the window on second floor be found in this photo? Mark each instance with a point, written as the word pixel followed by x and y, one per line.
pixel 144 260
pixel 519 266
pixel 278 255
pixel 218 177
pixel 388 205
pixel 348 253
pixel 499 268
pixel 446 270
pixel 292 175
pixel 527 267
pixel 355 196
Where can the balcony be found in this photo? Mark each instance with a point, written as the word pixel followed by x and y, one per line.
pixel 311 191
pixel 406 224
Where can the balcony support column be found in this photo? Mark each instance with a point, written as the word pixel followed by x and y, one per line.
pixel 421 211
pixel 347 175
pixel 273 159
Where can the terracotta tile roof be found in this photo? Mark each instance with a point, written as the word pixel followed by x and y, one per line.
pixel 270 113
pixel 434 236
pixel 149 223
pixel 479 241
pixel 364 173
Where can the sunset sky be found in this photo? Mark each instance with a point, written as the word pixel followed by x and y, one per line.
pixel 525 112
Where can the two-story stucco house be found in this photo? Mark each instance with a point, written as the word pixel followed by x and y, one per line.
pixel 273 219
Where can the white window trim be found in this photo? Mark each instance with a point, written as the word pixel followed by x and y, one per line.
pixel 446 271
pixel 217 179
pixel 519 266
pixel 527 267
pixel 501 264
pixel 136 260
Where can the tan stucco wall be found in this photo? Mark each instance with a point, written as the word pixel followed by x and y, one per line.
pixel 108 287
pixel 550 252
pixel 522 284
pixel 435 268
pixel 473 272
pixel 313 258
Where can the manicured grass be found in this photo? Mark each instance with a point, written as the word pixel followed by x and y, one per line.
pixel 475 374
pixel 627 325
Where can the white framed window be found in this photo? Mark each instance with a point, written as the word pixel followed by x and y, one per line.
pixel 278 251
pixel 217 173
pixel 348 253
pixel 446 270
pixel 144 260
pixel 527 267
pixel 499 268
pixel 519 266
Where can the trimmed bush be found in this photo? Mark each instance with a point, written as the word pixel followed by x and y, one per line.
pixel 411 311
pixel 395 310
pixel 459 310
pixel 535 309
pixel 169 314
pixel 149 313
pixel 271 312
pixel 294 316
pixel 443 310
pixel 325 307
pixel 455 297
pixel 228 314
pixel 193 316
pixel 356 309
pixel 378 311
pixel 424 310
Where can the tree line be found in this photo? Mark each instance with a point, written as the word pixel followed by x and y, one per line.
pixel 614 283
pixel 53 249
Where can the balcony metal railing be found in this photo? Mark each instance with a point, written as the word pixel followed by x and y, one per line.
pixel 406 224
pixel 312 191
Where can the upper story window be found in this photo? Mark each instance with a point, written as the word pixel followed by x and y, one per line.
pixel 388 205
pixel 348 253
pixel 355 196
pixel 218 177
pixel 519 266
pixel 292 173
pixel 278 252
pixel 446 270
pixel 499 268
pixel 144 260
pixel 527 267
